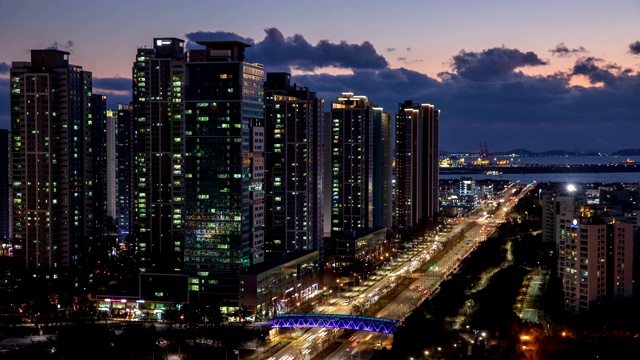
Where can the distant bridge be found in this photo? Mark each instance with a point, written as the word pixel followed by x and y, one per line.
pixel 352 322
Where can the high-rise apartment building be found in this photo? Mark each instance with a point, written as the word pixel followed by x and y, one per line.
pixel 158 148
pixel 351 166
pixel 417 149
pixel 103 164
pixel 224 168
pixel 294 166
pixel 5 190
pixel 99 163
pixel 111 170
pixel 125 132
pixel 595 259
pixel 52 179
pixel 383 168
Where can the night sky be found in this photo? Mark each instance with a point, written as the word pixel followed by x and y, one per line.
pixel 536 75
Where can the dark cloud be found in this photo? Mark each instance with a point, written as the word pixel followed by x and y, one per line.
pixel 276 51
pixel 496 64
pixel 484 96
pixel 391 49
pixel 62 46
pixel 596 74
pixel 4 68
pixel 194 37
pixel 113 84
pixel 561 50
pixel 634 48
pixel 114 99
pixel 533 112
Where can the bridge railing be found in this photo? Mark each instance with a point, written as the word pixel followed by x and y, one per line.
pixel 353 322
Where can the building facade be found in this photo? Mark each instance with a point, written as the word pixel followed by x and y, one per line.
pixel 51 175
pixel 294 166
pixel 351 166
pixel 383 168
pixel 158 173
pixel 224 168
pixel 270 289
pixel 595 261
pixel 595 249
pixel 5 189
pixel 417 164
pixel 125 132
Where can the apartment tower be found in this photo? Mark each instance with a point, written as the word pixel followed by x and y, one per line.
pixel 125 132
pixel 417 155
pixel 595 259
pixel 383 168
pixel 5 190
pixel 294 166
pixel 351 166
pixel 51 175
pixel 157 153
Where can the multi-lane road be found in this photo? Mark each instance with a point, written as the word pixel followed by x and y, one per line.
pixel 362 343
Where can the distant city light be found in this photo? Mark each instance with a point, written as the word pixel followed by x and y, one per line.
pixel 571 188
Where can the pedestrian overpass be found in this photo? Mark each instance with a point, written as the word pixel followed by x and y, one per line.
pixel 351 322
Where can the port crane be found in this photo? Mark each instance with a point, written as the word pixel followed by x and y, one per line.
pixel 484 152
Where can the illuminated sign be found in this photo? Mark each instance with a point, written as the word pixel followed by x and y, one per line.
pixel 163 42
pixel 574 224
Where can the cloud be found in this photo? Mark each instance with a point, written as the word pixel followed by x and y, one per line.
pixel 484 96
pixel 496 64
pixel 276 51
pixel 634 48
pixel 117 90
pixel 404 60
pixel 561 50
pixel 112 84
pixel 194 37
pixel 65 46
pixel 391 49
pixel 4 68
pixel 534 112
pixel 596 74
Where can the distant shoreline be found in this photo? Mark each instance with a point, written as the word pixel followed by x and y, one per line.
pixel 541 168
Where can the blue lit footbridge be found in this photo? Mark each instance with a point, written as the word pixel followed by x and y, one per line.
pixel 352 322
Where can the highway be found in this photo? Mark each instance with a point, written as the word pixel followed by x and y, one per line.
pixel 362 343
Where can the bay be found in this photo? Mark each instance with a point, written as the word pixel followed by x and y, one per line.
pixel 569 178
pixel 606 178
pixel 569 160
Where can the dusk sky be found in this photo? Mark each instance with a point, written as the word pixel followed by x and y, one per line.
pixel 538 75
